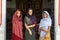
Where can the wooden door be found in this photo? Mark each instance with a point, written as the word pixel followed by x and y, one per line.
pixel 36 5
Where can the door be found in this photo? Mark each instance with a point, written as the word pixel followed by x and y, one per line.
pixel 24 5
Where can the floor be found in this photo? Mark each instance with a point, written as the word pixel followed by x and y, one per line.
pixel 1 35
pixel 9 33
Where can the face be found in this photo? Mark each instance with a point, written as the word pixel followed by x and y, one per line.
pixel 30 12
pixel 19 13
pixel 44 15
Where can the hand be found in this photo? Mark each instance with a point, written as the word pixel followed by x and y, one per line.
pixel 47 35
pixel 40 28
pixel 33 25
pixel 30 32
pixel 27 27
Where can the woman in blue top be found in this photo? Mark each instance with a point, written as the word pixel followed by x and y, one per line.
pixel 45 26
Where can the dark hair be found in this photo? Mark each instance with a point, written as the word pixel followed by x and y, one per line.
pixel 30 9
pixel 43 12
pixel 19 11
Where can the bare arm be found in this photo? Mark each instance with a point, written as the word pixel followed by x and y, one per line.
pixel 48 28
pixel 30 32
pixel 31 26
pixel 27 27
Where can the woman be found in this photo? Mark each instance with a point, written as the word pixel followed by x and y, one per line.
pixel 17 26
pixel 30 24
pixel 45 26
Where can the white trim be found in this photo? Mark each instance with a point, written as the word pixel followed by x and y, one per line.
pixel 57 29
pixel 3 26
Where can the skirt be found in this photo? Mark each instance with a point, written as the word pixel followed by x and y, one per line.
pixel 30 37
pixel 47 37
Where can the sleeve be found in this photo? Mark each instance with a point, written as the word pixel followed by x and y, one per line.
pixel 50 22
pixel 14 22
pixel 26 20
pixel 40 24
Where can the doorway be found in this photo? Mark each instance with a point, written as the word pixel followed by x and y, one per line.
pixel 24 5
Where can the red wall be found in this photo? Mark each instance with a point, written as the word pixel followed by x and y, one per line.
pixel 59 14
pixel 0 12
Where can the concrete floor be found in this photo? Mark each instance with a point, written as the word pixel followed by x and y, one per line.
pixel 1 35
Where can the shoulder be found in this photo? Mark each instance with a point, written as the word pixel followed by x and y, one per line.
pixel 50 19
pixel 41 20
pixel 25 17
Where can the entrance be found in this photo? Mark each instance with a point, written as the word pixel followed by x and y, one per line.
pixel 24 5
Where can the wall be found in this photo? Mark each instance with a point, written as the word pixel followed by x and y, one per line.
pixel 57 28
pixel 3 26
pixel 11 4
pixel 46 4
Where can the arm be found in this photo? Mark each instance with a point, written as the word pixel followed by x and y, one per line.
pixel 31 26
pixel 27 27
pixel 48 28
pixel 42 29
pixel 45 30
pixel 35 24
pixel 30 32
